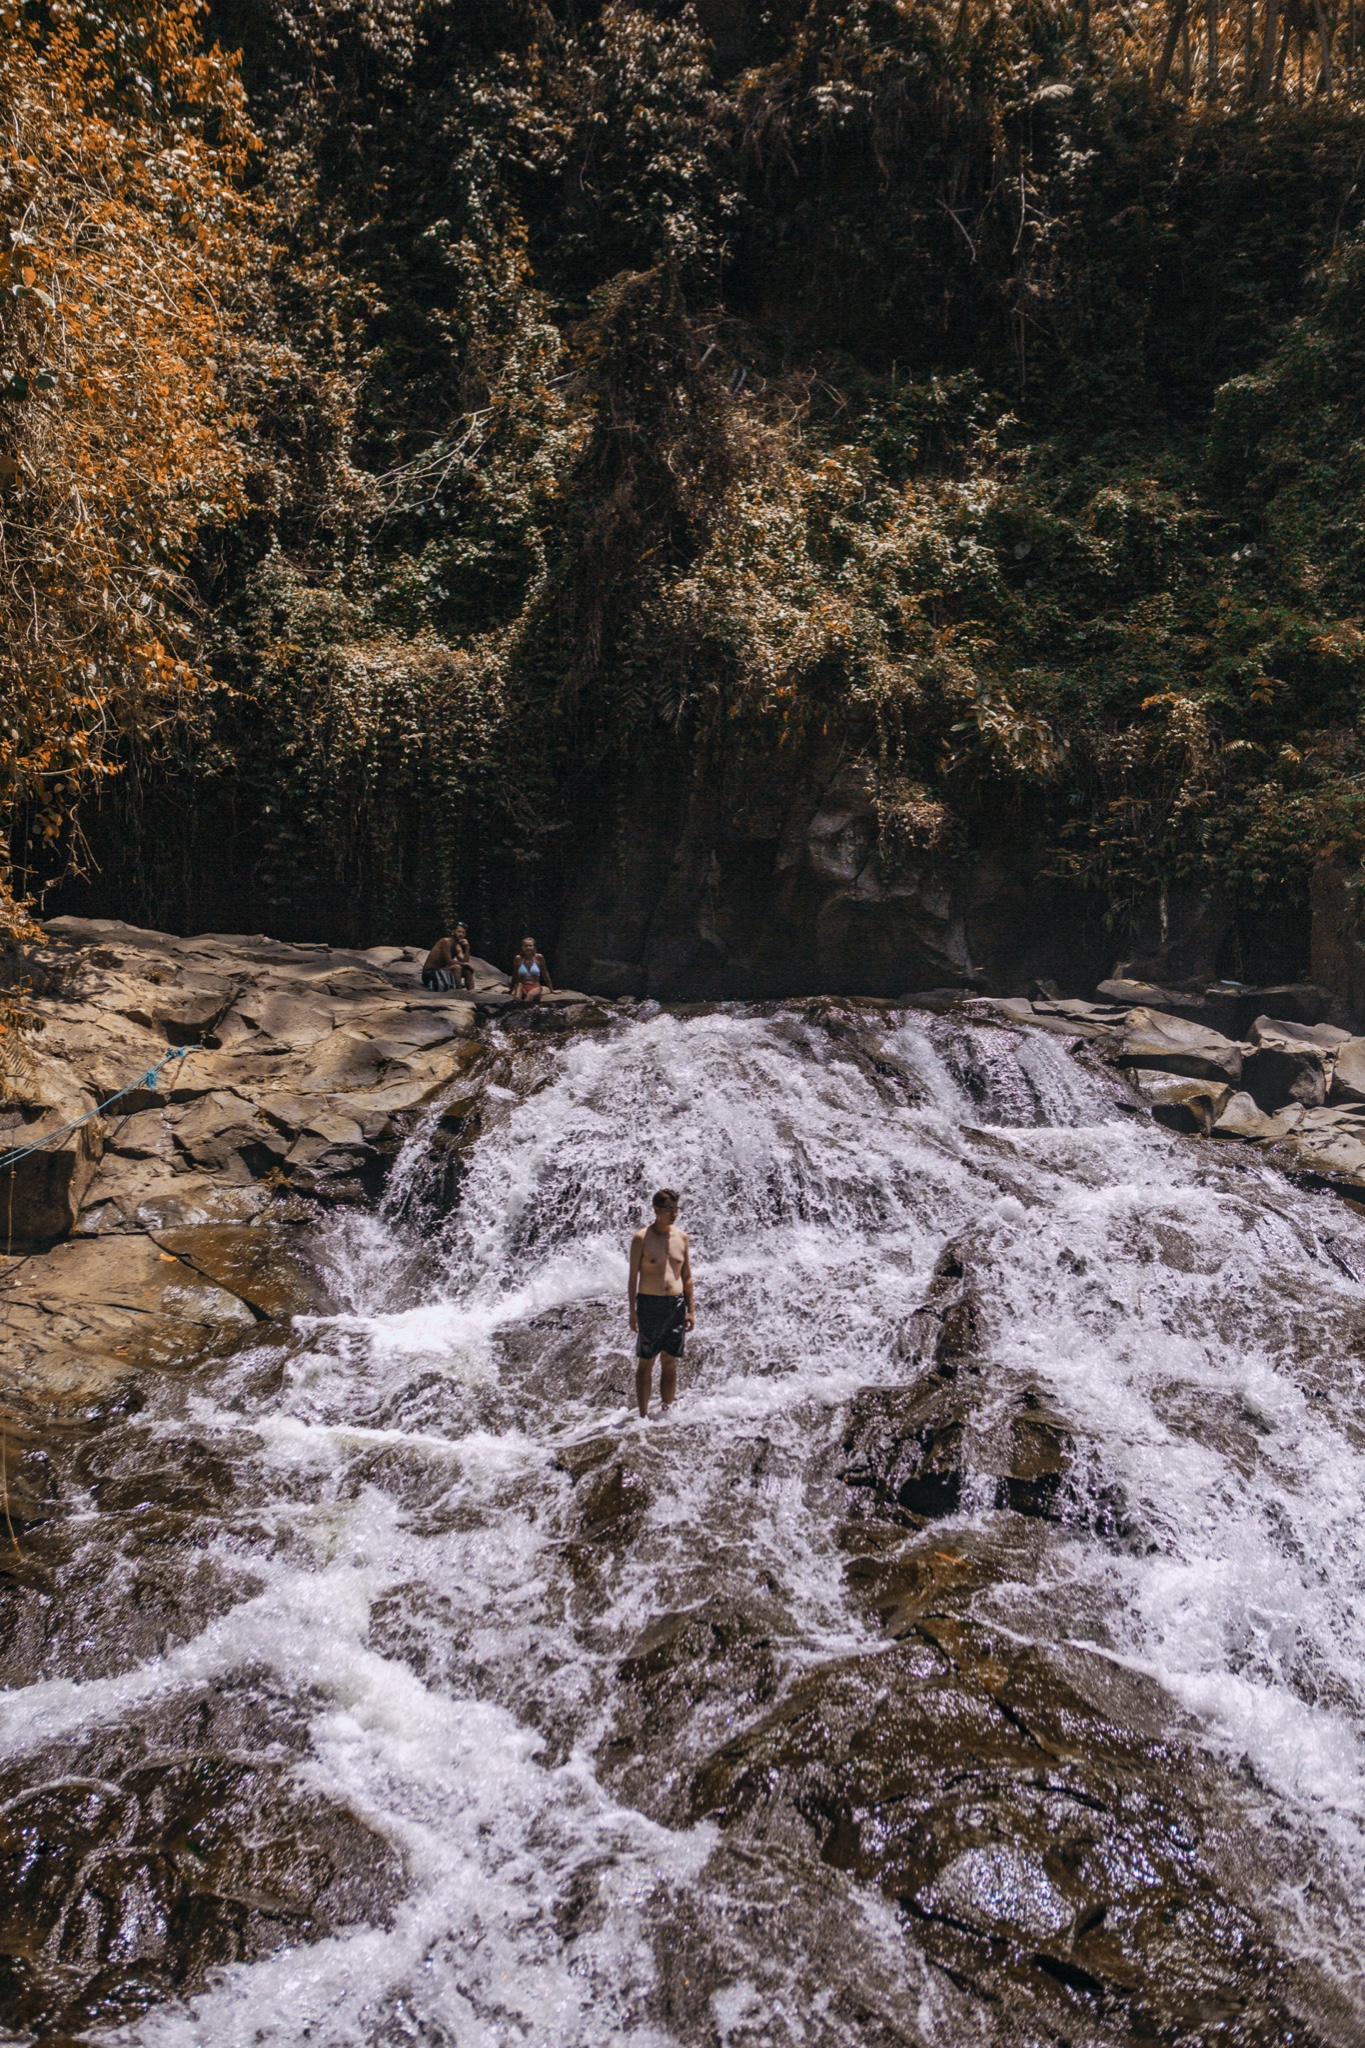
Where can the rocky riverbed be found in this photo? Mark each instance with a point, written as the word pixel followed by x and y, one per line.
pixel 968 1662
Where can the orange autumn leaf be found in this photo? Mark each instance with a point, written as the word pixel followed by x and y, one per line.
pixel 126 223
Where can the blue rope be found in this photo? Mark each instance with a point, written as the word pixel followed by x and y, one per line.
pixel 148 1081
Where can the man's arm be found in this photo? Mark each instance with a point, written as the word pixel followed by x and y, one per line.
pixel 687 1281
pixel 637 1247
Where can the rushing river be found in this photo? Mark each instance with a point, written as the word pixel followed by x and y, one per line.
pixel 612 1694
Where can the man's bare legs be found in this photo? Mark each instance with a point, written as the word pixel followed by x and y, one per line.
pixel 668 1381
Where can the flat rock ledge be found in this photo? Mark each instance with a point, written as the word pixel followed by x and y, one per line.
pixel 162 1226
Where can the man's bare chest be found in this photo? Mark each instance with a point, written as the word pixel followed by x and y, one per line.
pixel 661 1258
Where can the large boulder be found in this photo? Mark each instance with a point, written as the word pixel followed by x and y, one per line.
pixel 1292 1062
pixel 1171 1045
pixel 1335 1153
pixel 1179 1102
pixel 1291 1034
pixel 1242 1117
pixel 1275 1075
pixel 1348 1072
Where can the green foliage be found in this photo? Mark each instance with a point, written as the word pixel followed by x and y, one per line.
pixel 916 375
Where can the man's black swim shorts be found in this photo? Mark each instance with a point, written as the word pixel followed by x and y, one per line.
pixel 663 1324
pixel 440 978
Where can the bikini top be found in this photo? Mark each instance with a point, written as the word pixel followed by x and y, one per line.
pixel 528 973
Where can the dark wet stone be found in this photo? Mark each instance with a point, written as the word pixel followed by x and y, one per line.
pixel 1275 1075
pixel 945 1329
pixel 914 1449
pixel 1043 1832
pixel 618 1498
pixel 130 1870
pixel 724 1655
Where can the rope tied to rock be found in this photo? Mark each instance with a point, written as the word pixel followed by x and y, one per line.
pixel 147 1081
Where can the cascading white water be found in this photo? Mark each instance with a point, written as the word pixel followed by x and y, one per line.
pixel 410 1541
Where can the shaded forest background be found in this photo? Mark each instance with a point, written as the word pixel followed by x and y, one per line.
pixel 415 416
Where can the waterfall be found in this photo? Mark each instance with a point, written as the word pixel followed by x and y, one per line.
pixel 471 1571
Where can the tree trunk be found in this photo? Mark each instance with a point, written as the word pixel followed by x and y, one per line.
pixel 1177 22
pixel 1249 50
pixel 1267 74
pixel 1284 52
pixel 1325 40
pixel 1211 17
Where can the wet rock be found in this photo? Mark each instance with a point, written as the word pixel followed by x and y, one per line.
pixel 614 1504
pixel 903 1448
pixel 1040 1455
pixel 917 1451
pixel 1170 1045
pixel 1180 1103
pixel 723 1657
pixel 262 1265
pixel 898 1582
pixel 586 1455
pixel 944 1330
pixel 132 1866
pixel 1003 1797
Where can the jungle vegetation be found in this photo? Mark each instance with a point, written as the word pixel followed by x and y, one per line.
pixel 410 410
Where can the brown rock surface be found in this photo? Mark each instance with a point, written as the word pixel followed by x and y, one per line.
pixel 1001 1794
pixel 1348 1072
pixel 1180 1103
pixel 1170 1045
pixel 94 1307
pixel 300 1058
pixel 1241 1118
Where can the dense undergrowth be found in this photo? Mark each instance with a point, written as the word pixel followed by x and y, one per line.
pixel 983 383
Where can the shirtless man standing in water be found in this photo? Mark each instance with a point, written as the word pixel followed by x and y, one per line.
pixel 660 1295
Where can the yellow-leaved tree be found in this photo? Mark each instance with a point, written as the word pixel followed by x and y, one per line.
pixel 124 240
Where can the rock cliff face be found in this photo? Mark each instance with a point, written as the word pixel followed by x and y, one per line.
pixel 743 878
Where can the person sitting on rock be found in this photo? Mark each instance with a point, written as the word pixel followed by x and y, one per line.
pixel 461 958
pixel 530 977
pixel 440 968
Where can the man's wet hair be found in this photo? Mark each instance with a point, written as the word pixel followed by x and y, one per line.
pixel 667 1198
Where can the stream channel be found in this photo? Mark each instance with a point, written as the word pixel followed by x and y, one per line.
pixel 974 1655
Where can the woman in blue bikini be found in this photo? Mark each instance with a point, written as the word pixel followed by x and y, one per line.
pixel 530 977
